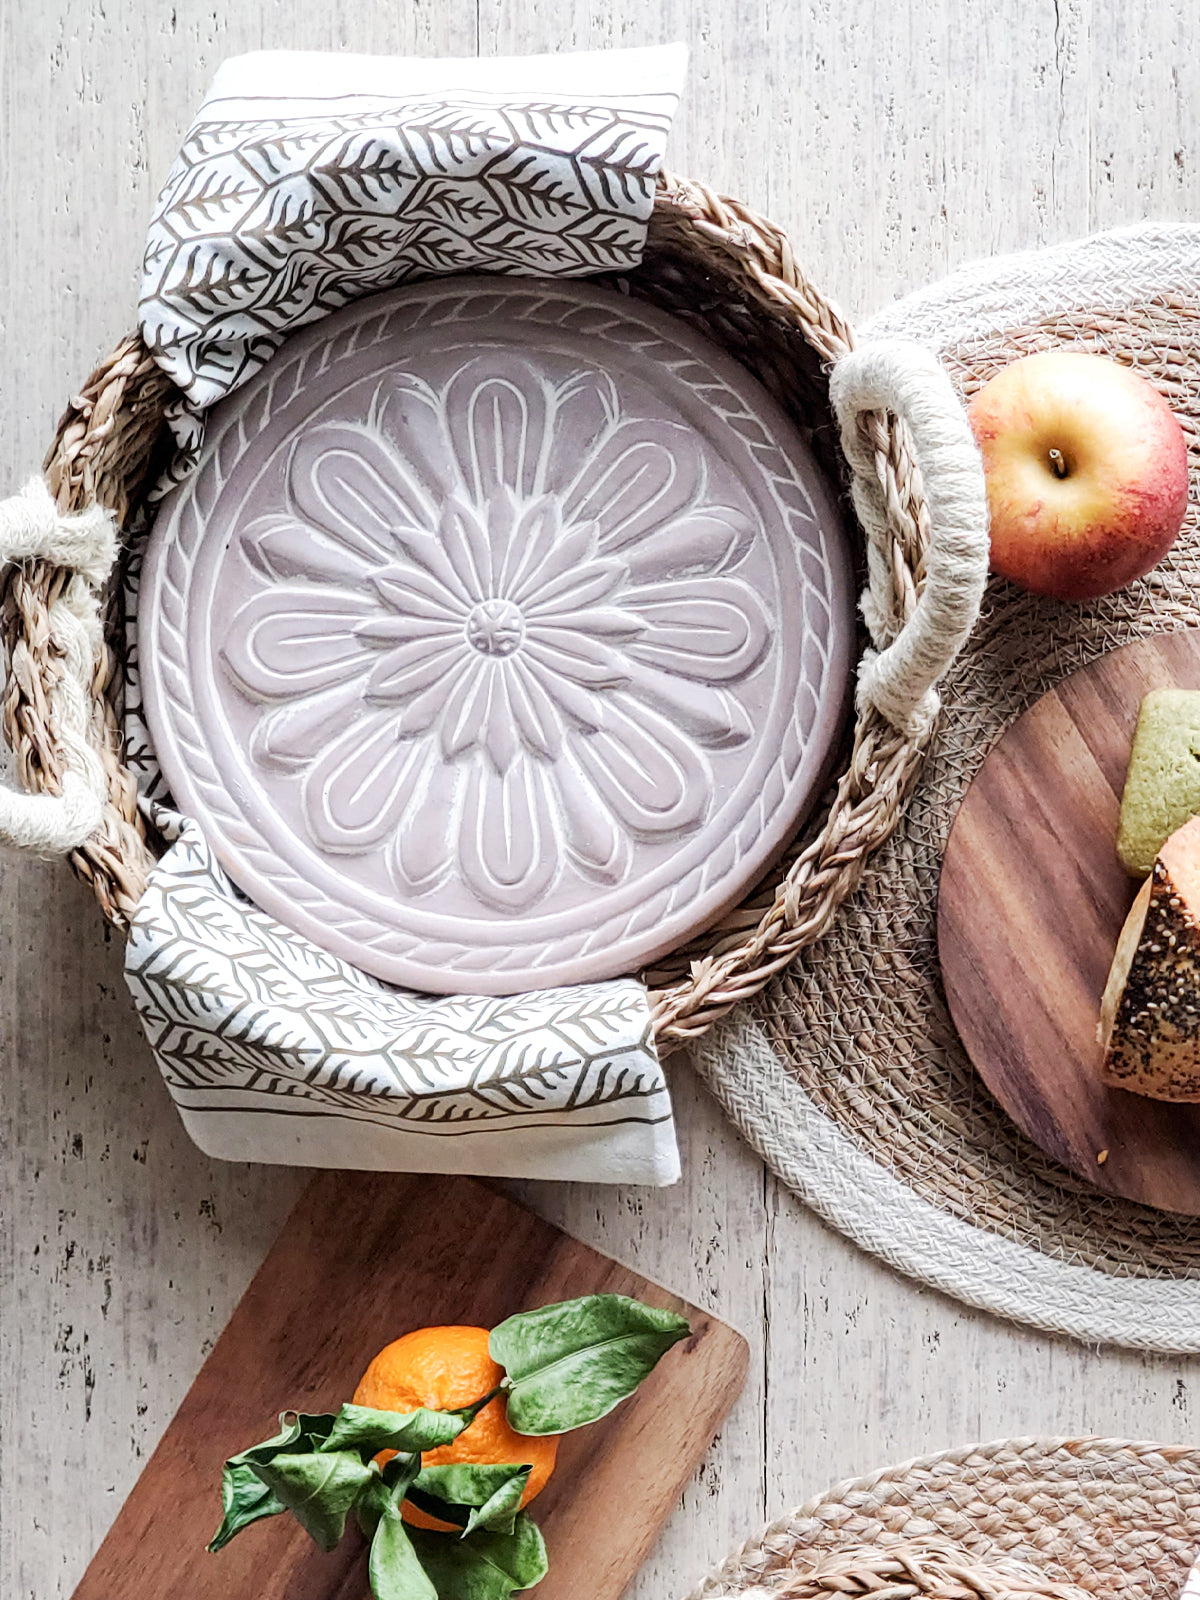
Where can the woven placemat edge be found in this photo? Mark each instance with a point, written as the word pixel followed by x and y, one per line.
pixel 783 1532
pixel 1049 279
pixel 855 1194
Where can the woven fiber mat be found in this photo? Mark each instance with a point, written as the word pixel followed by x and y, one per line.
pixel 1033 1518
pixel 847 1075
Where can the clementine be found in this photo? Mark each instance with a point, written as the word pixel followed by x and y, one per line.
pixel 446 1368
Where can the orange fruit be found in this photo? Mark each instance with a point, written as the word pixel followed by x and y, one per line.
pixel 446 1368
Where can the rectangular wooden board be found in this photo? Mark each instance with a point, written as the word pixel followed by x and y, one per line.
pixel 363 1259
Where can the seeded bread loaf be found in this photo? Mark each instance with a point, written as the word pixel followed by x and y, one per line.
pixel 1150 1013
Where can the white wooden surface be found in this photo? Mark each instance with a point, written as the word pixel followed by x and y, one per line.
pixel 894 140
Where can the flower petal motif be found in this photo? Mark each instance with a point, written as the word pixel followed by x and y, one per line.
pixel 357 790
pixel 654 781
pixel 463 535
pixel 402 627
pixel 597 622
pixel 507 847
pixel 479 712
pixel 422 853
pixel 644 474
pixel 465 711
pixel 558 571
pixel 585 409
pixel 408 668
pixel 537 531
pixel 497 428
pixel 594 839
pixel 534 712
pixel 574 705
pixel 714 719
pixel 410 416
pixel 593 582
pixel 700 541
pixel 501 740
pixel 493 658
pixel 719 632
pixel 411 591
pixel 348 482
pixel 295 732
pixel 292 640
pixel 577 656
pixel 283 547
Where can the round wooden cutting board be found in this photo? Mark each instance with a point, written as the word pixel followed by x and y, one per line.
pixel 1032 899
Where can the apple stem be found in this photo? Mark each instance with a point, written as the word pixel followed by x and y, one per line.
pixel 1059 462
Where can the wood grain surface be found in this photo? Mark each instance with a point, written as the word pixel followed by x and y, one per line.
pixel 362 1260
pixel 1032 900
pixel 893 141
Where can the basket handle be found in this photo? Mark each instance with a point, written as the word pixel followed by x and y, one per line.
pixel 916 634
pixel 33 529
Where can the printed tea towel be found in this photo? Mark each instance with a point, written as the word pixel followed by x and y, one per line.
pixel 307 181
pixel 274 1050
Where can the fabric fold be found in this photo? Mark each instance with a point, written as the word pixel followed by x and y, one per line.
pixel 276 1051
pixel 307 181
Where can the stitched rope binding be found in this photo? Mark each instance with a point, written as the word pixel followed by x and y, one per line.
pixel 83 546
pixel 730 272
pixel 901 377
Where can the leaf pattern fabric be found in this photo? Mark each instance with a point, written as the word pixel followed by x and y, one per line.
pixel 274 1050
pixel 307 181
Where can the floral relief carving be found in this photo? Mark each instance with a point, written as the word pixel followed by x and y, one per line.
pixel 496 630
pixel 502 636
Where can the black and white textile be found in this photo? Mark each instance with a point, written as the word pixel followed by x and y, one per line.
pixel 310 180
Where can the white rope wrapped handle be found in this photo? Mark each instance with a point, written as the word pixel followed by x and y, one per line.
pixel 899 676
pixel 33 529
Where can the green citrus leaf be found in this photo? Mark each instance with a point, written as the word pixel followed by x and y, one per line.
pixel 313 1429
pixel 297 1431
pixel 485 1565
pixel 491 1494
pixel 385 1492
pixel 360 1427
pixel 245 1498
pixel 394 1569
pixel 570 1364
pixel 318 1489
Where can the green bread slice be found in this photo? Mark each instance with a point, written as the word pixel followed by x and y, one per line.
pixel 1162 788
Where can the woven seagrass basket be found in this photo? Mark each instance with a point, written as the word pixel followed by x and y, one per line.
pixel 727 271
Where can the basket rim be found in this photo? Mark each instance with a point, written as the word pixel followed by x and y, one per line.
pixel 113 436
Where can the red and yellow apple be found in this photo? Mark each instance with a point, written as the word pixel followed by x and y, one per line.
pixel 1086 469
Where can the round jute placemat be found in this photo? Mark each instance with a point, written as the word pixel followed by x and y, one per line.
pixel 1030 1517
pixel 846 1074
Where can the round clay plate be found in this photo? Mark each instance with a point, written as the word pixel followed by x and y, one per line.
pixel 1032 899
pixel 501 638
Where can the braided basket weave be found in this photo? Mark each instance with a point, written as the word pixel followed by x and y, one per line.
pixel 1043 1519
pixel 933 1570
pixel 730 273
